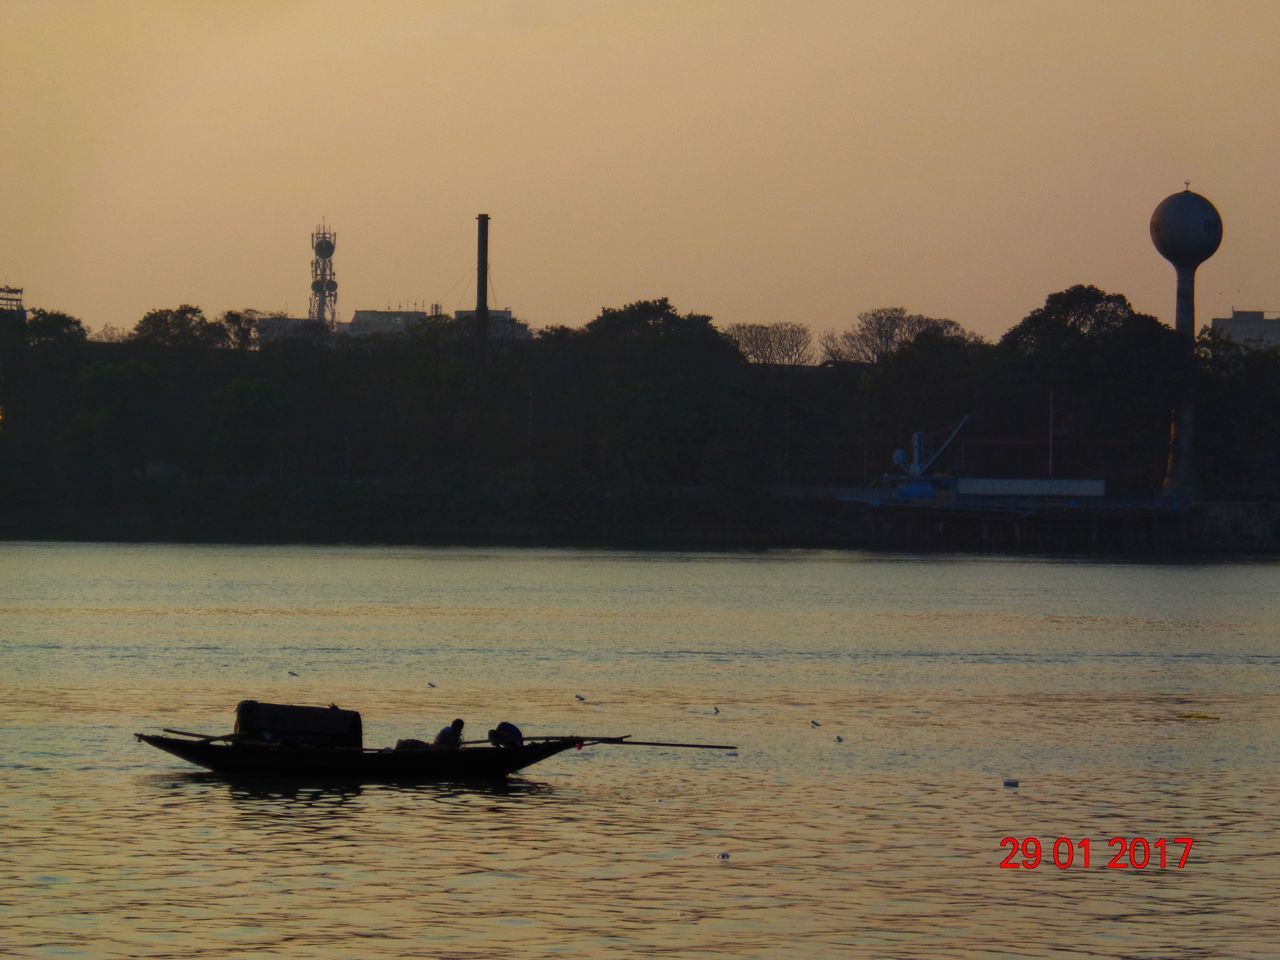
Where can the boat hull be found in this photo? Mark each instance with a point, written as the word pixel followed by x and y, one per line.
pixel 277 761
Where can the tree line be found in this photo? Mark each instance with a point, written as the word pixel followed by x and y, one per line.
pixel 644 418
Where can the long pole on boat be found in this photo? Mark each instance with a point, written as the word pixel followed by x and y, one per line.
pixel 626 741
pixel 660 743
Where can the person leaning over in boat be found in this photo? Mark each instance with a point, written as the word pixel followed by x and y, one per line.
pixel 450 738
pixel 506 735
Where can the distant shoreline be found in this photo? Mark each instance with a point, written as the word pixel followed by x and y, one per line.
pixel 700 524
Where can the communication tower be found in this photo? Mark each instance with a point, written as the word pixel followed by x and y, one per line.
pixel 324 285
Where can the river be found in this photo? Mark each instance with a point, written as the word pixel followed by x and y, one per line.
pixel 879 704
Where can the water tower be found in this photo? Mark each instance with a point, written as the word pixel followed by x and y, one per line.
pixel 1186 230
pixel 324 285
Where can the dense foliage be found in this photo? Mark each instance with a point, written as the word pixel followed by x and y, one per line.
pixel 645 417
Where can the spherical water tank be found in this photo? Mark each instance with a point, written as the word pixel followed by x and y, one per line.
pixel 1186 229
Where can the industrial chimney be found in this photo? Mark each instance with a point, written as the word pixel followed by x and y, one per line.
pixel 482 276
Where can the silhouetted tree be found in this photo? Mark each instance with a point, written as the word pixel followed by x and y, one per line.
pixel 244 418
pixel 1237 451
pixel 109 333
pixel 1078 316
pixel 777 344
pixel 880 333
pixel 1113 374
pixel 657 386
pixel 53 326
pixel 240 328
pixel 184 326
pixel 622 424
pixel 648 318
pixel 114 427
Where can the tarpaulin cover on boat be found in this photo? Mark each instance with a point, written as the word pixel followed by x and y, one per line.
pixel 312 726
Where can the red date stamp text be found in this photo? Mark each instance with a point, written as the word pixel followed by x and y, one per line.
pixel 1123 853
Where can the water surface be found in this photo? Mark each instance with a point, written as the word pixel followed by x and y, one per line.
pixel 878 703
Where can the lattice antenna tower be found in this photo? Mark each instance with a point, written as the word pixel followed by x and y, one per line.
pixel 324 283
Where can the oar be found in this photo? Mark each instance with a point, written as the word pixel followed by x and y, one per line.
pixel 626 741
pixel 489 743
pixel 659 743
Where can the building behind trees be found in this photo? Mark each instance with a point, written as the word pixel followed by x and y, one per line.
pixel 1250 328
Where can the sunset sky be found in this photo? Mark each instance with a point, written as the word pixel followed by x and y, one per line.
pixel 758 161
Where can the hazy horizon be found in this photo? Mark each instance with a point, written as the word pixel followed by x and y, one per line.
pixel 750 160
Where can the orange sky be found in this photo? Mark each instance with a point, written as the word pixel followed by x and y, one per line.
pixel 757 161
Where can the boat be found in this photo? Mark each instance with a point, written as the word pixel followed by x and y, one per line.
pixel 238 757
pixel 286 741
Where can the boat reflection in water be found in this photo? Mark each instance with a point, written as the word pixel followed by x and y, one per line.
pixel 335 794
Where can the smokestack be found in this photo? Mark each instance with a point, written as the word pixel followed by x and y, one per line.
pixel 482 275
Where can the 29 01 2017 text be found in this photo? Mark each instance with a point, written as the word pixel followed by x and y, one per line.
pixel 1127 853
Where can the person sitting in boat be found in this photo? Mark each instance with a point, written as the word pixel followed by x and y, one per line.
pixel 450 738
pixel 506 735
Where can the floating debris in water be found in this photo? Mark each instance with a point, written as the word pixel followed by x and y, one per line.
pixel 292 674
pixel 1011 783
pixel 715 709
pixel 431 685
pixel 732 753
pixel 724 856
pixel 814 723
pixel 579 697
pixel 839 739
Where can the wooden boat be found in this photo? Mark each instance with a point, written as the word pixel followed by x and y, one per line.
pixel 281 741
pixel 242 757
